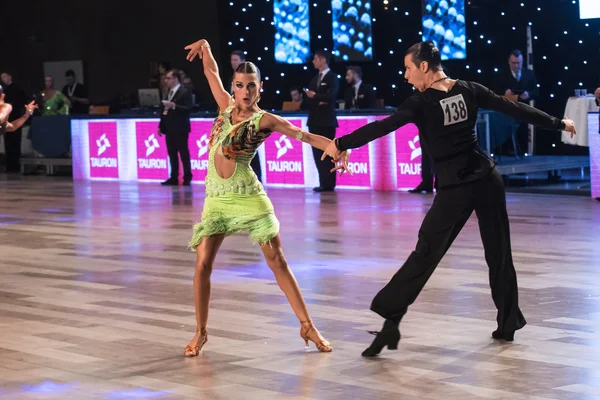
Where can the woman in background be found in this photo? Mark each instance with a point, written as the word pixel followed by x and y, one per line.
pixel 52 101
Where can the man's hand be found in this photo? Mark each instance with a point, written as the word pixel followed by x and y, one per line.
pixel 508 92
pixel 310 93
pixel 169 105
pixel 570 126
pixel 524 96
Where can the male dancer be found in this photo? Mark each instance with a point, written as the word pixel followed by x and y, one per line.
pixel 445 112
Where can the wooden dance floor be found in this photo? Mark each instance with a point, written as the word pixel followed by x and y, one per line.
pixel 96 300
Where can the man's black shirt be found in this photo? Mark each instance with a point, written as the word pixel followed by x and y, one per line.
pixel 446 123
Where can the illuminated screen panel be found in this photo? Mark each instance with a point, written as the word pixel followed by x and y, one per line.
pixel 594 142
pixel 589 9
pixel 352 30
pixel 292 31
pixel 444 24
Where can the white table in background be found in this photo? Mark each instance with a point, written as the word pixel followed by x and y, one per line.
pixel 577 109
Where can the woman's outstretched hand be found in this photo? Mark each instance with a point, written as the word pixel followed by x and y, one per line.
pixel 332 151
pixel 195 49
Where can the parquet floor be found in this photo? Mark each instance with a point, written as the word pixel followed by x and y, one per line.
pixel 96 300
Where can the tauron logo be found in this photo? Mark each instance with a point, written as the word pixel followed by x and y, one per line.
pixel 202 145
pixel 103 144
pixel 416 151
pixel 283 144
pixel 151 144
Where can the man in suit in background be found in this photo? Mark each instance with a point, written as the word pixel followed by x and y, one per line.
pixel 236 58
pixel 520 82
pixel 359 95
pixel 76 93
pixel 322 92
pixel 175 124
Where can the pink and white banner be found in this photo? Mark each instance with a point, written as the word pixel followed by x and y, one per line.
pixel 151 148
pixel 284 159
pixel 198 144
pixel 131 150
pixel 408 157
pixel 594 142
pixel 359 158
pixel 103 150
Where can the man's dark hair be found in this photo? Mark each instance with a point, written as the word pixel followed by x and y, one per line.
pixel 165 64
pixel 516 53
pixel 176 74
pixel 356 69
pixel 324 54
pixel 296 88
pixel 426 52
pixel 248 67
pixel 70 73
pixel 240 54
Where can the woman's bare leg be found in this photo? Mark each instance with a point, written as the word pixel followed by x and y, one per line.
pixel 205 258
pixel 287 282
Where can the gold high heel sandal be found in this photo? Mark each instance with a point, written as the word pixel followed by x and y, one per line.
pixel 321 344
pixel 193 351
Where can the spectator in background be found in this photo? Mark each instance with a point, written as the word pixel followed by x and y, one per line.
pixel 12 141
pixel 298 96
pixel 175 124
pixel 521 82
pixel 187 83
pixel 236 58
pixel 158 73
pixel 76 93
pixel 322 120
pixel 51 101
pixel 359 95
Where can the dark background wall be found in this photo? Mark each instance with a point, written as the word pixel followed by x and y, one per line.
pixel 398 27
pixel 116 40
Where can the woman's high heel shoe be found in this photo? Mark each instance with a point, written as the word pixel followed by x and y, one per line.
pixel 322 344
pixel 387 337
pixel 193 351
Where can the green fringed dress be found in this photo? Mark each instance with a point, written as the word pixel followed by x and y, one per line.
pixel 239 203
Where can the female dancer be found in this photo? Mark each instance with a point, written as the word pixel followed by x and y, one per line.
pixel 235 198
pixel 445 111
